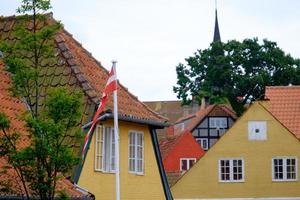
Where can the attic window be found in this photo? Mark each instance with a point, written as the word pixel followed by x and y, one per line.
pixel 218 122
pixel 257 130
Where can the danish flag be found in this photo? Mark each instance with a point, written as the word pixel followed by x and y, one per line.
pixel 110 87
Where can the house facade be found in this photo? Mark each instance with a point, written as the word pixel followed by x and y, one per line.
pixel 139 173
pixel 208 124
pixel 256 158
pixel 179 154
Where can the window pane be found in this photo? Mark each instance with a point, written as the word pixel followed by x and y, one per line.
pixel 139 152
pixel 237 169
pixel 291 168
pixel 183 164
pixel 278 169
pixel 139 166
pixel 191 163
pixel 131 165
pixel 136 152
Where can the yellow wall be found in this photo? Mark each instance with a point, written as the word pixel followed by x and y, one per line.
pixel 202 181
pixel 133 187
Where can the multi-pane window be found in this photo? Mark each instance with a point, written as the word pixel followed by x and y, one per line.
pixel 186 163
pixel 104 149
pixel 218 122
pixel 284 169
pixel 136 152
pixel 203 142
pixel 231 170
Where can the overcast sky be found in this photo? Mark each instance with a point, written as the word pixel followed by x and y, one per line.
pixel 149 38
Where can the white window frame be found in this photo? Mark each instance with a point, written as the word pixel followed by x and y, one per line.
pixel 100 133
pixel 188 163
pixel 201 143
pixel 284 158
pixel 213 122
pixel 98 157
pixel 135 171
pixel 231 170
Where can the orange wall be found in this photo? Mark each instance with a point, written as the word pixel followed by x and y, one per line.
pixel 187 147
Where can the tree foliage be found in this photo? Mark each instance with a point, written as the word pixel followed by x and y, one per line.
pixel 236 72
pixel 33 45
pixel 49 154
pixel 53 127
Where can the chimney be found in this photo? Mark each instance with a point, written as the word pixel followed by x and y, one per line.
pixel 170 131
pixel 195 105
pixel 204 102
pixel 185 109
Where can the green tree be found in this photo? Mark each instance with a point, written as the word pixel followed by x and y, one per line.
pixel 235 72
pixel 34 45
pixel 49 154
pixel 53 124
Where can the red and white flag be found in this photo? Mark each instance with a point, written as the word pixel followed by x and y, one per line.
pixel 110 87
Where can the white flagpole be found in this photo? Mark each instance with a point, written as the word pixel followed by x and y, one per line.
pixel 116 129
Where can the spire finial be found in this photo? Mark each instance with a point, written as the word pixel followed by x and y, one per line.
pixel 217 36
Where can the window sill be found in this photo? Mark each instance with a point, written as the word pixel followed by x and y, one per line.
pixel 105 172
pixel 137 173
pixel 230 181
pixel 284 180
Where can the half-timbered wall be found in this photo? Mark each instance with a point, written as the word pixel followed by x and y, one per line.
pixel 207 134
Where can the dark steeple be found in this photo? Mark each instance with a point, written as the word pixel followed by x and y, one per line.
pixel 217 36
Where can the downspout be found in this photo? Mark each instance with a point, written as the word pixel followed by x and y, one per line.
pixel 162 173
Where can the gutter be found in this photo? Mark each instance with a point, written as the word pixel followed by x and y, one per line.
pixel 129 118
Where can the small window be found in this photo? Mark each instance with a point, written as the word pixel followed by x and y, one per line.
pixel 203 143
pixel 231 170
pixel 104 149
pixel 218 122
pixel 186 163
pixel 136 152
pixel 284 169
pixel 257 130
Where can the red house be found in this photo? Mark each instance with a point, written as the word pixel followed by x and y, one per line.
pixel 179 153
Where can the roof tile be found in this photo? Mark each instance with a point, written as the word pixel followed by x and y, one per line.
pixel 14 108
pixel 284 104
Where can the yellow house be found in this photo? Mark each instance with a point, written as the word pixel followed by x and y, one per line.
pixel 256 158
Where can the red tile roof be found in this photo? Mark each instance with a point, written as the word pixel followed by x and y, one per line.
pixel 13 107
pixel 284 104
pixel 77 68
pixel 167 144
pixel 211 110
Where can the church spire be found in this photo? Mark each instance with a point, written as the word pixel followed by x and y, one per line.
pixel 217 36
